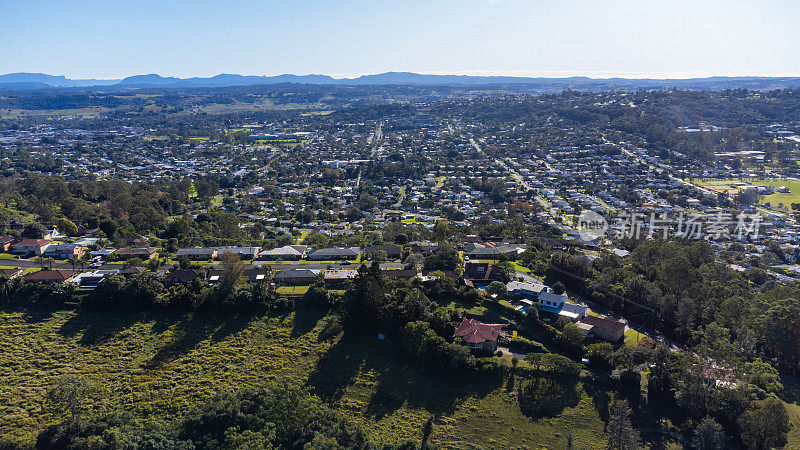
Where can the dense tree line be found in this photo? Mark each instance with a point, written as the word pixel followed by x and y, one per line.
pixel 272 416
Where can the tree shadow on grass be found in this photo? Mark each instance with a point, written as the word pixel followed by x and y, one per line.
pixel 196 327
pixel 407 384
pixel 399 381
pixel 337 368
pixel 33 314
pixel 97 327
pixel 37 314
pixel 306 318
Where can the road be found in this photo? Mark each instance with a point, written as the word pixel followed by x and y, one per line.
pixel 477 147
pixel 28 263
pixel 377 141
pixel 399 203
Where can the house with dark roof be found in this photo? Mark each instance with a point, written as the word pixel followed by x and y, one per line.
pixel 399 274
pixel 333 254
pixel 480 273
pixel 603 328
pixel 11 272
pixel 425 248
pixel 181 276
pixel 479 336
pixel 255 274
pixel 50 276
pixel 132 271
pixel 295 276
pixel 144 253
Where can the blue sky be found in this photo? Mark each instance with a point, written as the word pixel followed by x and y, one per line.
pixel 631 38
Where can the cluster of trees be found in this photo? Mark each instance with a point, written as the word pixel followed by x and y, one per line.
pixel 420 343
pixel 679 288
pixel 748 412
pixel 272 416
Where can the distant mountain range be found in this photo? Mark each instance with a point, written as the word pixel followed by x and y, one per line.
pixel 44 81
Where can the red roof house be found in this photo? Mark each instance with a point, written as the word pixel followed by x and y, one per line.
pixel 479 335
pixel 30 246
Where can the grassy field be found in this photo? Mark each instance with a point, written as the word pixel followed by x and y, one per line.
pixel 157 365
pixel 787 199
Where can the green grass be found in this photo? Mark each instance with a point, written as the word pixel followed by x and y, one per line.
pixel 520 268
pixel 292 290
pixel 787 199
pixel 158 365
pixel 793 439
pixel 154 365
pixel 632 338
pixel 302 237
pixel 8 256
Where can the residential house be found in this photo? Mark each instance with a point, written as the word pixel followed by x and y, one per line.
pixel 558 305
pixel 93 279
pixel 479 274
pixel 132 271
pixel 335 278
pixel 492 251
pixel 530 291
pixel 603 328
pixel 181 276
pixel 285 253
pixel 197 253
pixel 425 248
pixel 64 251
pixel 245 253
pixel 30 246
pixel 479 336
pixel 295 276
pixel 333 254
pixel 143 253
pixel 50 276
pixel 255 274
pixel 399 274
pixel 11 272
pixel 6 241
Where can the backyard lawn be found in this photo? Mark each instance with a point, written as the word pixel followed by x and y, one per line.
pixel 292 290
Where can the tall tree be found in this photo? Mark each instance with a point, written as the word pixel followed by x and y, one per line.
pixel 709 435
pixel 621 434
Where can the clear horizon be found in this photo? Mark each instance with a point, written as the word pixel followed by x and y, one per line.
pixel 536 38
pixel 602 75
